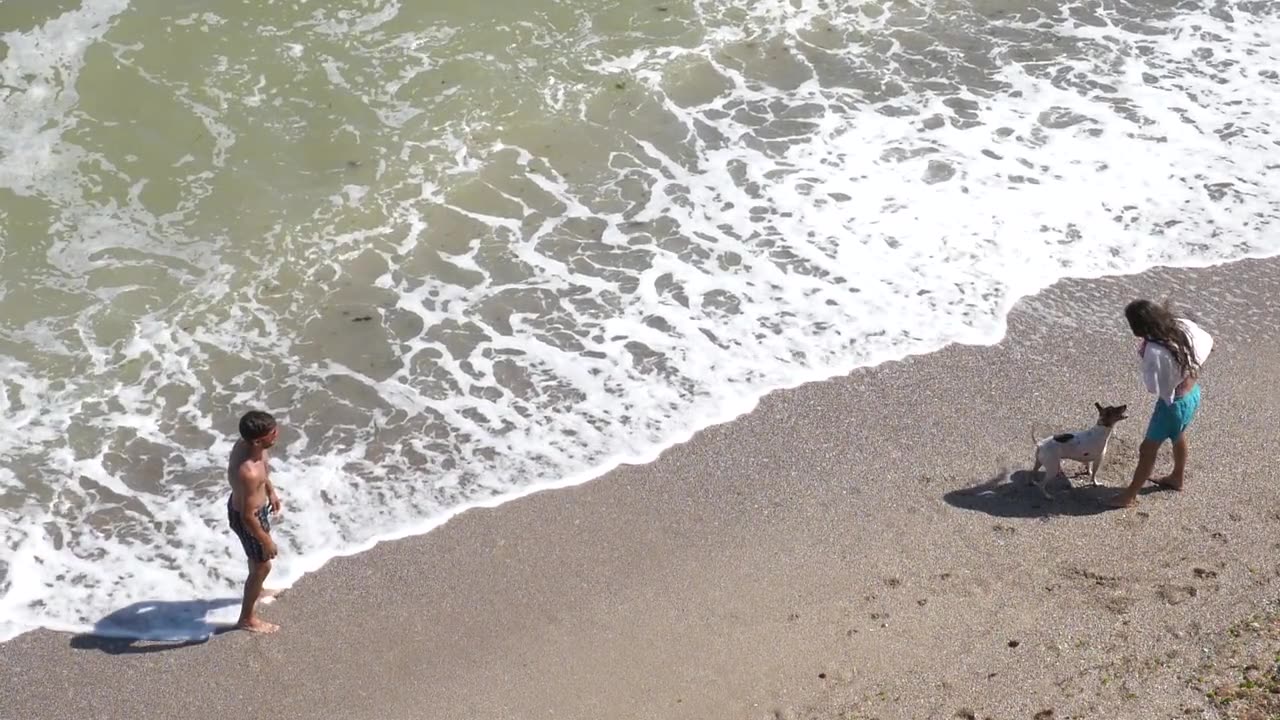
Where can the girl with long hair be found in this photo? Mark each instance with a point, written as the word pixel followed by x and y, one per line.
pixel 1171 350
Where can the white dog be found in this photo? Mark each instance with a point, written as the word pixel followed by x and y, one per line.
pixel 1089 446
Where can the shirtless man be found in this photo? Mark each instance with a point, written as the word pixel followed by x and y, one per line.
pixel 251 497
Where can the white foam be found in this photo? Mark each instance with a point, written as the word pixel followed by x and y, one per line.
pixel 754 229
pixel 37 95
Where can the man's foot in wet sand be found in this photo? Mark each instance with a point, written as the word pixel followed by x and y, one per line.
pixel 1168 482
pixel 255 625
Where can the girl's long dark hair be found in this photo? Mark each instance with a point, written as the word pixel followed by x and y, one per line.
pixel 1157 323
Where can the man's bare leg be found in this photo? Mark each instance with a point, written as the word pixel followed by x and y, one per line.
pixel 252 590
pixel 1181 449
pixel 1146 463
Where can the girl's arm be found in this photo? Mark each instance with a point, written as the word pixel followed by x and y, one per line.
pixel 1148 371
pixel 1158 372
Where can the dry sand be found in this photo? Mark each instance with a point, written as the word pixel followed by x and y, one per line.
pixel 849 549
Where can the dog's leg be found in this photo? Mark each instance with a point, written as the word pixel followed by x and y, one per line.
pixel 1095 467
pixel 1044 488
pixel 1052 470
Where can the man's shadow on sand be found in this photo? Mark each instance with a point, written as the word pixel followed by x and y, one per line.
pixel 155 626
pixel 1012 495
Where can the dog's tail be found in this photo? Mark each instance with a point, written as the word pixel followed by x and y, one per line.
pixel 1035 451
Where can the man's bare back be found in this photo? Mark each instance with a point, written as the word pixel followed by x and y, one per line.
pixel 253 499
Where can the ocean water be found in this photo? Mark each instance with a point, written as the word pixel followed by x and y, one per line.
pixel 467 250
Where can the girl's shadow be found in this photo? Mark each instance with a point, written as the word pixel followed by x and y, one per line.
pixel 153 626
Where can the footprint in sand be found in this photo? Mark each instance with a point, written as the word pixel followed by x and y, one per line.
pixel 1097 586
pixel 1106 581
pixel 964 586
pixel 1119 605
pixel 1137 519
pixel 1176 594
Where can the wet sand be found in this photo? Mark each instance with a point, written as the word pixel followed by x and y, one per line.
pixel 865 547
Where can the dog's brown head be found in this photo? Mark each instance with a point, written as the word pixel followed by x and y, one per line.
pixel 1111 414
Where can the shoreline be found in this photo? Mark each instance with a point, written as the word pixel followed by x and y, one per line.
pixel 729 413
pixel 726 576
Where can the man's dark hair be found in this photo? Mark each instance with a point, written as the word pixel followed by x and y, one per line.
pixel 255 424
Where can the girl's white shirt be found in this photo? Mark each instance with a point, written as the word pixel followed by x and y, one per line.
pixel 1160 372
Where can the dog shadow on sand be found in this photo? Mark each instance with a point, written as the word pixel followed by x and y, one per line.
pixel 1012 495
pixel 155 626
